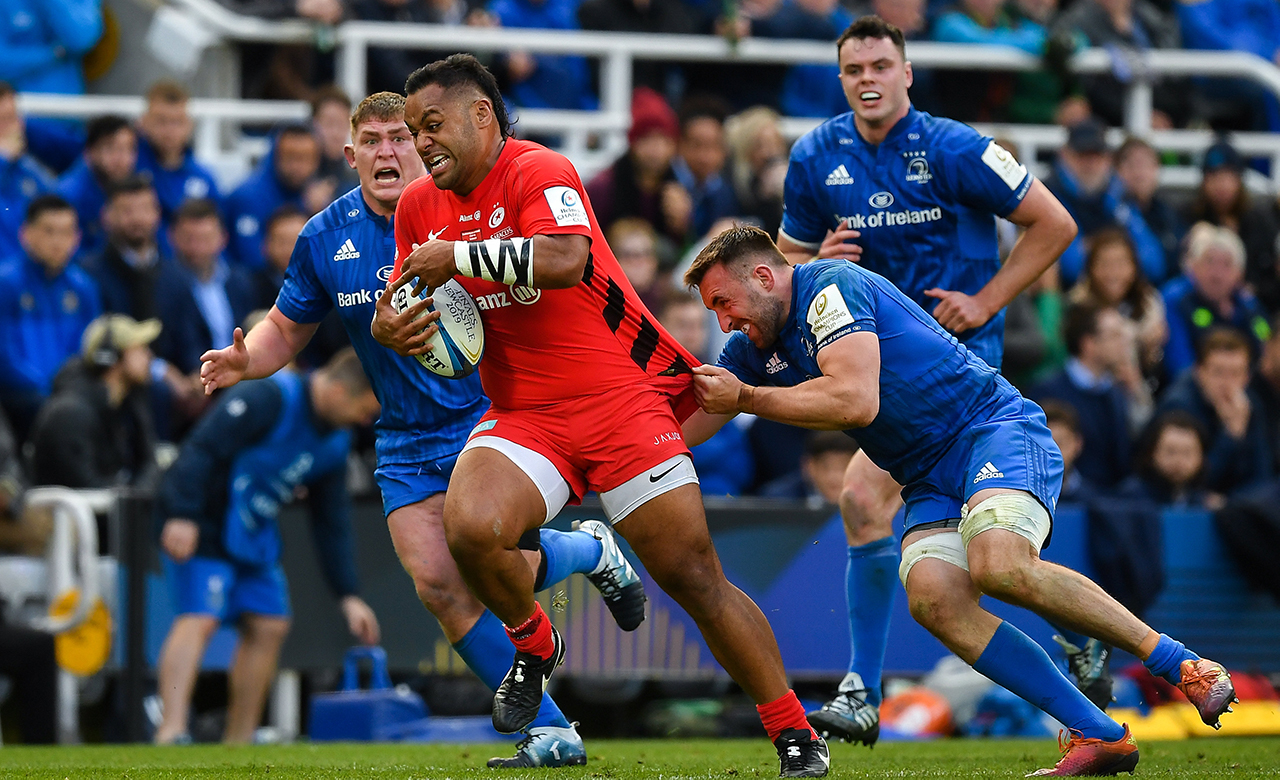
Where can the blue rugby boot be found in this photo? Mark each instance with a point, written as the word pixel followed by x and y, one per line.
pixel 545 746
pixel 614 577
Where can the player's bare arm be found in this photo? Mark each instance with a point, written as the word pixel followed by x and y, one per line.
pixel 838 243
pixel 268 348
pixel 1049 231
pixel 405 332
pixel 847 395
pixel 548 262
pixel 702 426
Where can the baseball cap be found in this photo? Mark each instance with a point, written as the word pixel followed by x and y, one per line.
pixel 1222 155
pixel 109 335
pixel 1087 136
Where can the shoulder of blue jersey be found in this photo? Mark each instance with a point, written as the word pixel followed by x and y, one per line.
pixel 835 133
pixel 341 213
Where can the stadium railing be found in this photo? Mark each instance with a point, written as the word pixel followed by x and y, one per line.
pixel 593 139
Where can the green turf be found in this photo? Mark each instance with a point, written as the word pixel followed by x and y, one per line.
pixel 620 760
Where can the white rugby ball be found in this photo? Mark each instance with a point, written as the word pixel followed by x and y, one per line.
pixel 458 344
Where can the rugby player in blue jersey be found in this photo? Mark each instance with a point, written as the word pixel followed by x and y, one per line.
pixel 913 198
pixel 831 346
pixel 343 259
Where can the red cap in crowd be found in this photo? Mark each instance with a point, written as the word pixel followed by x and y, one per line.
pixel 651 114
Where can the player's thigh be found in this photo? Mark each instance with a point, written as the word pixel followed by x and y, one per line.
pixel 669 534
pixel 264 631
pixel 499 490
pixel 934 571
pixel 200 586
pixel 870 490
pixel 417 533
pixel 1003 531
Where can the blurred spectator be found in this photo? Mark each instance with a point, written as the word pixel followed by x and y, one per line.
pixel 202 297
pixel 1124 26
pixel 1237 25
pixel 984 96
pixel 826 458
pixel 724 463
pixel 1138 168
pixel 635 244
pixel 1265 386
pixel 285 176
pixel 331 122
pixel 42 43
pixel 642 16
pixel 127 267
pixel 1222 200
pixel 1033 344
pixel 389 67
pixel 279 237
pixel 544 80
pixel 1098 383
pixel 758 164
pixel 1083 180
pixel 324 11
pixel 45 305
pixel 22 177
pixel 54 143
pixel 1209 293
pixel 164 149
pixel 96 431
pixel 1170 463
pixel 699 164
pixel 1112 278
pixel 264 443
pixel 1216 393
pixel 809 89
pixel 641 183
pixel 1064 425
pixel 29 659
pixel 288 71
pixel 110 156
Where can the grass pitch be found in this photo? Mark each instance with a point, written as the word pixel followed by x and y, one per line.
pixel 618 760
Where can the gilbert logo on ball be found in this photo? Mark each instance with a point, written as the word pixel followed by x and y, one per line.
pixel 458 343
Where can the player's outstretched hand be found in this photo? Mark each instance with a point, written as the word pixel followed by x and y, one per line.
pixel 432 263
pixel 839 243
pixel 361 621
pixel 405 332
pixel 716 389
pixel 956 311
pixel 224 367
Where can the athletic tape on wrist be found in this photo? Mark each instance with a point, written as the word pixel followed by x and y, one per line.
pixel 505 260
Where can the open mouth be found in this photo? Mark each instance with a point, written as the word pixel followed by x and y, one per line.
pixel 386 175
pixel 869 96
pixel 437 162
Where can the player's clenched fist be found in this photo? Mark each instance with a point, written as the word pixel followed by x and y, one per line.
pixel 432 263
pixel 718 391
pixel 405 332
pixel 958 312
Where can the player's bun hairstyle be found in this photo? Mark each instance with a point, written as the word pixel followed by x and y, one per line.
pixel 101 128
pixel 345 369
pixel 457 69
pixel 45 204
pixel 734 246
pixel 873 26
pixel 378 107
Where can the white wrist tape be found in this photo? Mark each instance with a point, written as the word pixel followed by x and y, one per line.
pixel 505 260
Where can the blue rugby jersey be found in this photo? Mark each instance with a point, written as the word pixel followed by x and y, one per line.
pixel 931 386
pixel 924 200
pixel 343 259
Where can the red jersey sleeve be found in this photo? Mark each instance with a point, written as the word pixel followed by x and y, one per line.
pixel 550 196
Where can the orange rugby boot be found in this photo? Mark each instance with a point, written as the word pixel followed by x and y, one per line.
pixel 1087 757
pixel 1208 686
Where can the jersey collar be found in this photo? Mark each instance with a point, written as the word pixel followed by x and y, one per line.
pixel 897 132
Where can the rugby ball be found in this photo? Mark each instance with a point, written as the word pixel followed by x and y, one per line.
pixel 458 344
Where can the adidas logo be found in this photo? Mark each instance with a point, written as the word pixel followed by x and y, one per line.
pixel 988 471
pixel 346 252
pixel 839 176
pixel 775 364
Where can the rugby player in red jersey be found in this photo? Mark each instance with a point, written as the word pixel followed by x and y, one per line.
pixel 588 393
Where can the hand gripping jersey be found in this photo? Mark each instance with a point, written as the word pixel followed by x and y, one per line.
pixel 924 200
pixel 546 346
pixel 343 259
pixel 932 388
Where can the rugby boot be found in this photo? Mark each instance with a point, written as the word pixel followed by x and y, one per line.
pixel 1208 686
pixel 545 746
pixel 801 754
pixel 1088 757
pixel 1091 666
pixel 848 716
pixel 617 581
pixel 518 698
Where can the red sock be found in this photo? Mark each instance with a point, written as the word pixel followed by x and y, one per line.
pixel 782 714
pixel 533 636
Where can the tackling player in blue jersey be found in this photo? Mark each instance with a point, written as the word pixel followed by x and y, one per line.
pixel 343 259
pixel 913 198
pixel 831 346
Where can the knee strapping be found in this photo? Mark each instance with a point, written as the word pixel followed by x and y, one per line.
pixel 945 547
pixel 1019 513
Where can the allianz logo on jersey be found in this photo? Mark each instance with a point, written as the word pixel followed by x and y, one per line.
pixel 891 218
pixel 775 364
pixel 526 296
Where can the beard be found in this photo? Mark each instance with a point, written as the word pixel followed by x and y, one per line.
pixel 767 317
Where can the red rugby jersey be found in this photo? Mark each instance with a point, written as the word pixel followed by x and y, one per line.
pixel 544 346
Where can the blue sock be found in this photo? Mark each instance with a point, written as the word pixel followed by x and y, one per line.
pixel 574 552
pixel 1079 640
pixel 1166 660
pixel 1012 660
pixel 870 581
pixel 488 651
